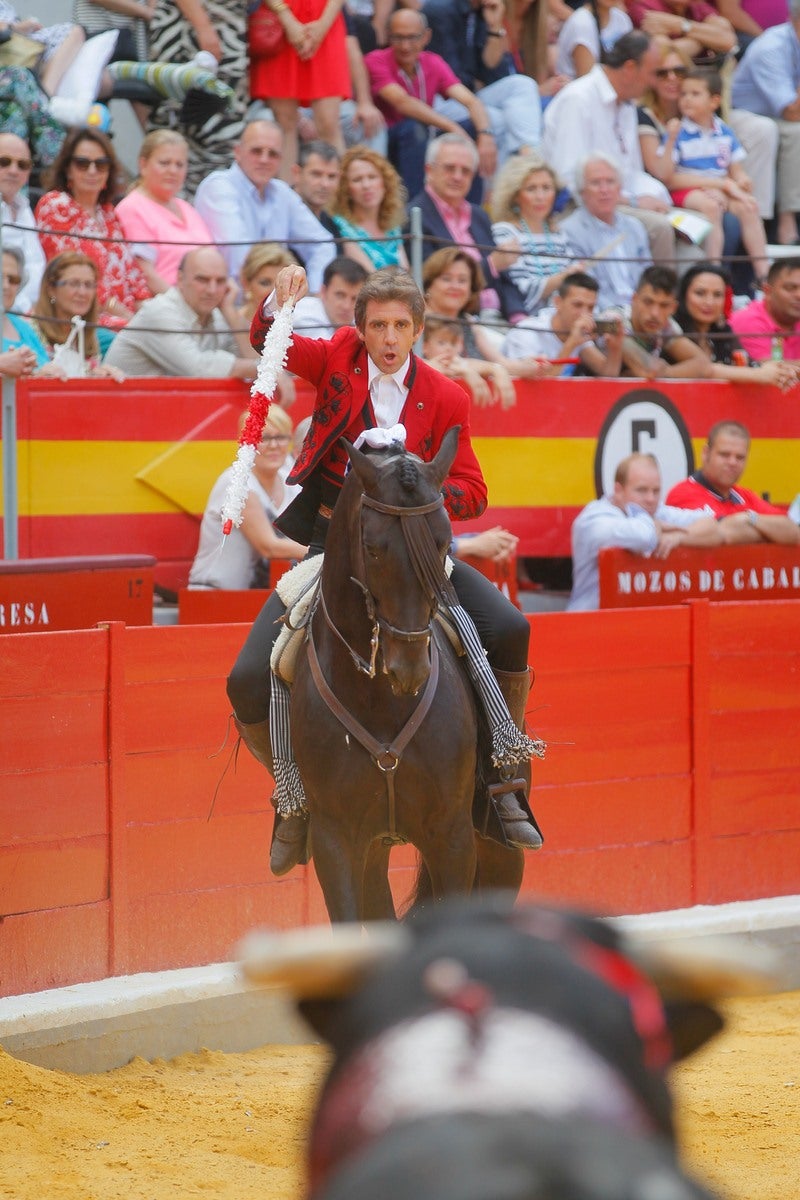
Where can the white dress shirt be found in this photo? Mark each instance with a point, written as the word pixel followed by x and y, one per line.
pixel 388 394
pixel 586 116
pixel 26 239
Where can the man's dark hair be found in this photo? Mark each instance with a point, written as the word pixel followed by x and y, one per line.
pixel 731 428
pixel 660 279
pixel 347 268
pixel 578 279
pixel 388 285
pixel 780 266
pixel 631 47
pixel 712 79
pixel 323 150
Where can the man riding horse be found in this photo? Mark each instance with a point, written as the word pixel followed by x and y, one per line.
pixel 369 377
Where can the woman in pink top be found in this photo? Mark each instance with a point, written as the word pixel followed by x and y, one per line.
pixel 79 215
pixel 162 225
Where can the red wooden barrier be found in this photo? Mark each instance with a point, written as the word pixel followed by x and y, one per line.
pixel 765 572
pixel 75 593
pixel 213 606
pixel 672 778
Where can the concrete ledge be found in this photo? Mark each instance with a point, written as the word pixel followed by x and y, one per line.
pixel 93 1027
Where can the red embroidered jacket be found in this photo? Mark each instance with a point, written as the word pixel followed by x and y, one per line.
pixel 338 370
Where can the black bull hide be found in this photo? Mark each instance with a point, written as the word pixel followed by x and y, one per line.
pixel 499 1053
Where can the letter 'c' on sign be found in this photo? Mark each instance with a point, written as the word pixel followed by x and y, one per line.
pixel 643 421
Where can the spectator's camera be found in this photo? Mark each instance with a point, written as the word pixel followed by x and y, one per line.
pixel 607 324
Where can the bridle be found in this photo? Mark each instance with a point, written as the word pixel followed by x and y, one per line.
pixel 416 536
pixel 430 573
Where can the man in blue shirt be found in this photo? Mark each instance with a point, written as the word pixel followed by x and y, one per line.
pixel 767 82
pixel 247 204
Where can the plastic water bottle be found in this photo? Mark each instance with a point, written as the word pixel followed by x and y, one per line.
pixel 776 348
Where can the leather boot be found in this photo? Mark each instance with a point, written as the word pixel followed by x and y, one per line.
pixel 508 793
pixel 289 834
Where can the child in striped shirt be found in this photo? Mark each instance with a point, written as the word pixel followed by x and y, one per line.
pixel 703 168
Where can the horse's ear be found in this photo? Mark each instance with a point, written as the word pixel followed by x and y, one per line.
pixel 439 467
pixel 362 464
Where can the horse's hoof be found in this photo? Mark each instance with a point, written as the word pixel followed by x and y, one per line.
pixel 288 843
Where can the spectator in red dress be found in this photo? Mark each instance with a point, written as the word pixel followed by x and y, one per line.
pixel 747 519
pixel 80 204
pixel 312 70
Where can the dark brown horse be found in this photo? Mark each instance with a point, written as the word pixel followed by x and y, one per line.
pixel 384 720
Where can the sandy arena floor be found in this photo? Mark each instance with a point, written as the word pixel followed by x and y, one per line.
pixel 231 1126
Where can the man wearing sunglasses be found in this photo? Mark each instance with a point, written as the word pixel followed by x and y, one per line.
pixel 247 204
pixel 19 225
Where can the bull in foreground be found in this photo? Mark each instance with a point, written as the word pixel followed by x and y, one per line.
pixel 489 1052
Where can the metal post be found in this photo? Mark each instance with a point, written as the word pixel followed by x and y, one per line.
pixel 415 248
pixel 9 433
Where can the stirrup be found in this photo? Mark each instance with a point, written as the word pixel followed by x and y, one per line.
pixel 519 827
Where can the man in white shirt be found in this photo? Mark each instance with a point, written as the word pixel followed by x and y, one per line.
pixel 15 170
pixel 613 245
pixel 320 316
pixel 597 112
pixel 568 330
pixel 247 204
pixel 633 518
pixel 183 331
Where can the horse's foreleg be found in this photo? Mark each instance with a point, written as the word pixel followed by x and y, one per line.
pixel 378 904
pixel 452 866
pixel 339 868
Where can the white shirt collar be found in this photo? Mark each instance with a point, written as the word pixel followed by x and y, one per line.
pixel 398 376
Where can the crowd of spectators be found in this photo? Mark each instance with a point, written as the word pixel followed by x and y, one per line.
pixel 553 180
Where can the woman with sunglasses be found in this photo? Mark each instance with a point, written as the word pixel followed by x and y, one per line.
pixel 84 180
pixel 704 299
pixel 243 561
pixel 69 289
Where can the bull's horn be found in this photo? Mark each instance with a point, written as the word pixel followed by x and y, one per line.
pixel 708 968
pixel 320 960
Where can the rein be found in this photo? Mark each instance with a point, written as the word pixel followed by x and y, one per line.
pixel 379 623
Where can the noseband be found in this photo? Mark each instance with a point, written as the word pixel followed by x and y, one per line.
pixel 419 541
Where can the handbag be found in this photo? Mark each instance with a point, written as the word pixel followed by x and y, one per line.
pixel 19 51
pixel 265 33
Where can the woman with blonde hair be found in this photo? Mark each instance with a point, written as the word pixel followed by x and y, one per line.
pixel 258 273
pixel 248 549
pixel 523 196
pixel 257 277
pixel 69 289
pixel 369 210
pixel 153 215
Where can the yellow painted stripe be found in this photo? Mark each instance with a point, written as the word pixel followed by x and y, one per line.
pixel 96 477
pixel 101 477
pixel 537 472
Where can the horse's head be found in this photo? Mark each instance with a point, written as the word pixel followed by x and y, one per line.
pixel 404 538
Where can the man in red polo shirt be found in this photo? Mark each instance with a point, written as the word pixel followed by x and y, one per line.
pixel 745 518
